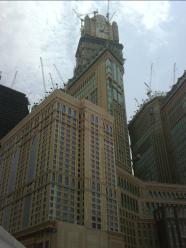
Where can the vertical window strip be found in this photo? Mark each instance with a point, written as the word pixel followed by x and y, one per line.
pixel 32 161
pixel 6 216
pixel 26 210
pixel 13 170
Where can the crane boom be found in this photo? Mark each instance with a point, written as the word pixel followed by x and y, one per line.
pixel 79 15
pixel 147 85
pixel 149 89
pixel 43 75
pixel 51 80
pixel 174 73
pixel 14 79
pixel 151 70
pixel 59 74
pixel 137 102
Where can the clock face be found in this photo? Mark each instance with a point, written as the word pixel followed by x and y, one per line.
pixel 102 29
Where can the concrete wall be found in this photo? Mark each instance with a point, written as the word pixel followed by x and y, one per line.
pixel 71 235
pixel 8 241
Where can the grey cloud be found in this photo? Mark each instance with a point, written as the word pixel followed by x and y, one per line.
pixel 51 30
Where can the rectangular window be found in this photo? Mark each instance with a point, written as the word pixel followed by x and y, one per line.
pixel 26 210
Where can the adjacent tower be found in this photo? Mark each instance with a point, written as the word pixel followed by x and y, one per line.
pixel 158 137
pixel 98 77
pixel 174 120
pixel 148 145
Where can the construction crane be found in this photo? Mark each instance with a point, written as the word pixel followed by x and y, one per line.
pixel 137 102
pixel 14 79
pixel 43 76
pixel 174 73
pixel 52 81
pixel 112 16
pixel 149 89
pixel 81 15
pixel 108 12
pixel 58 73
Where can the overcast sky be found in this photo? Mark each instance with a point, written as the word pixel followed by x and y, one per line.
pixel 151 32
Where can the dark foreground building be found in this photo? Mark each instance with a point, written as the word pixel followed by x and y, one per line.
pixel 171 225
pixel 13 108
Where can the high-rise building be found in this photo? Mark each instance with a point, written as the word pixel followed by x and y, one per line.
pixel 174 118
pixel 65 175
pixel 99 78
pixel 13 108
pixel 158 137
pixel 58 164
pixel 96 33
pixel 150 158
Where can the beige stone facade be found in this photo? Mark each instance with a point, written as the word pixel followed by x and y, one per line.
pixel 58 164
pixel 102 83
pixel 137 202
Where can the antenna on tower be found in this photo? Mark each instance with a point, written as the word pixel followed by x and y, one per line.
pixel 14 79
pixel 44 84
pixel 174 73
pixel 108 12
pixel 108 6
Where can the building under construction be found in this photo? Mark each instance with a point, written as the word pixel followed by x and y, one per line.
pixel 158 136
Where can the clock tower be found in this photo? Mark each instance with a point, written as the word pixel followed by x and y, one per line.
pixel 100 27
pixel 98 77
pixel 96 33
